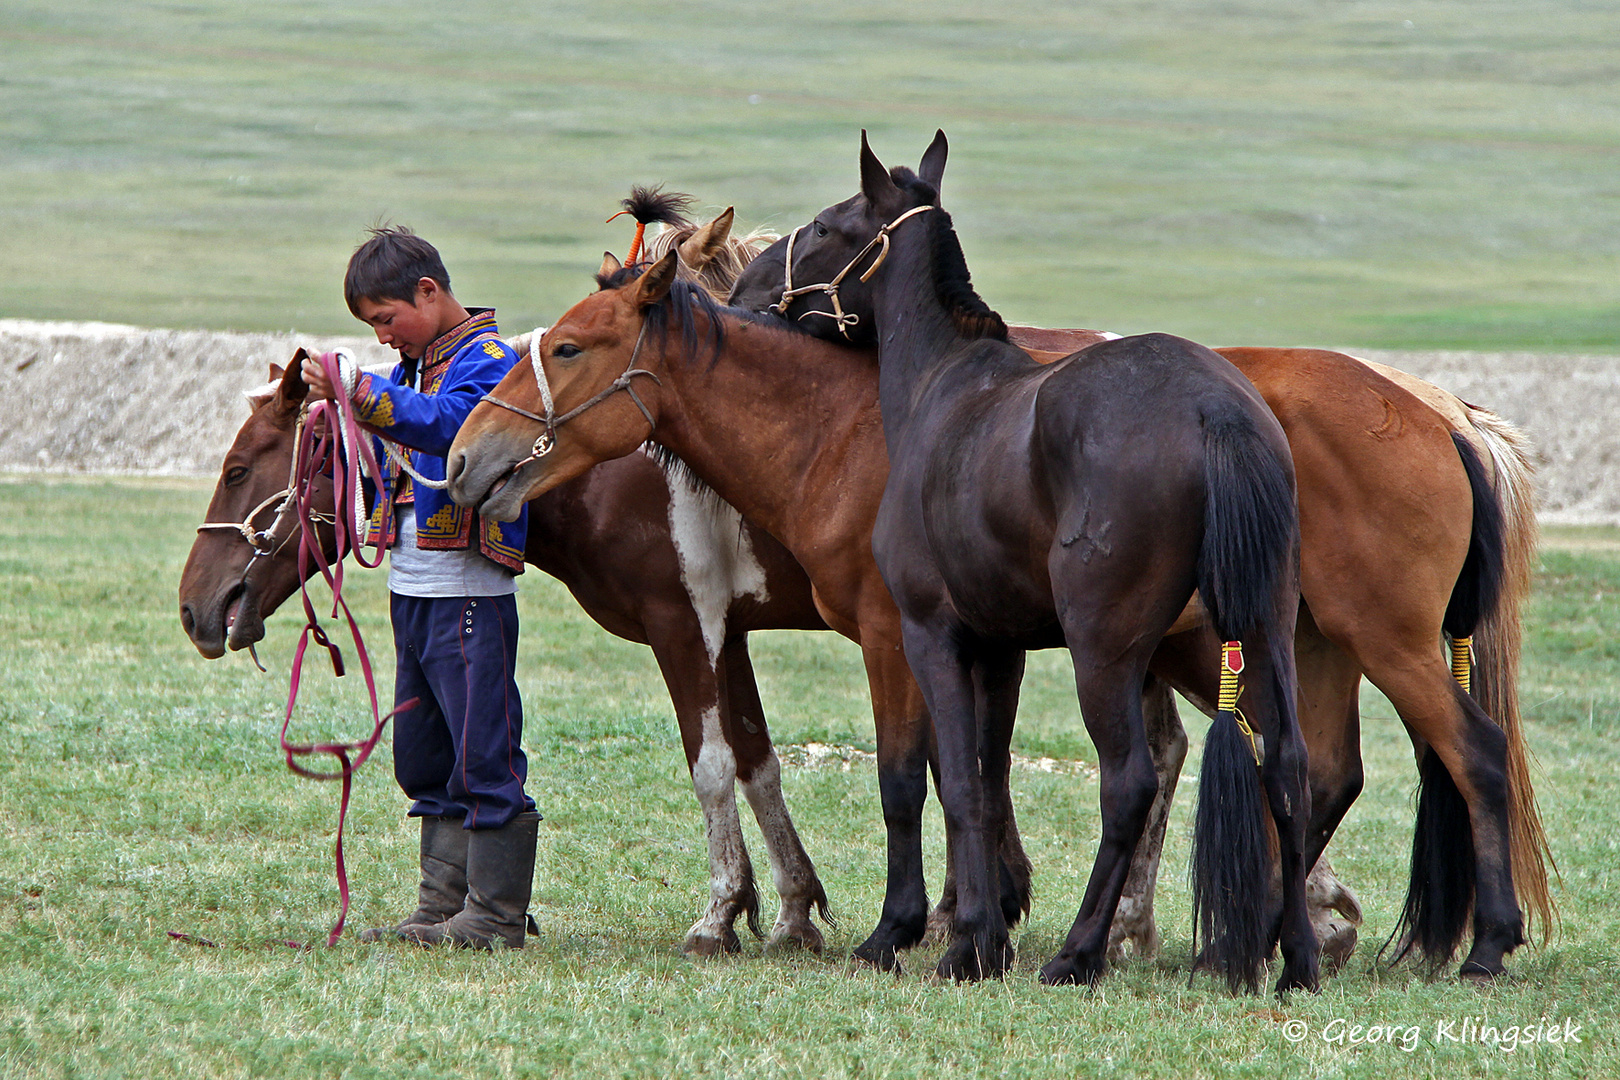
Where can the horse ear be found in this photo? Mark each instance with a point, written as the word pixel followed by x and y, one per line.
pixel 653 285
pixel 707 240
pixel 876 184
pixel 932 167
pixel 275 372
pixel 610 265
pixel 292 388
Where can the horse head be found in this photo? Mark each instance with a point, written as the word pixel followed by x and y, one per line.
pixel 599 370
pixel 819 275
pixel 244 562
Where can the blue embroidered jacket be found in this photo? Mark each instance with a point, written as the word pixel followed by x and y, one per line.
pixel 458 369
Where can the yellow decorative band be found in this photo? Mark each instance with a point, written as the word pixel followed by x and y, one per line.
pixel 1462 657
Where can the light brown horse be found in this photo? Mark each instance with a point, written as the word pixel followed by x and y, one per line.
pixel 649 554
pixel 819 450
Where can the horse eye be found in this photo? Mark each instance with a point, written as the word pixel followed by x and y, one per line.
pixel 236 475
pixel 821 230
pixel 566 351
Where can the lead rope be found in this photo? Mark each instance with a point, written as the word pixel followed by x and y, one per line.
pixel 341 440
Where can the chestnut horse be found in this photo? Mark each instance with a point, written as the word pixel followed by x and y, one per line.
pixel 651 556
pixel 1404 535
pixel 813 486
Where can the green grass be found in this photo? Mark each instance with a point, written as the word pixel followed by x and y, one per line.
pixel 1359 173
pixel 141 792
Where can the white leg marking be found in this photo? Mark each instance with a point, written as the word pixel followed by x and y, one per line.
pixel 791 870
pixel 730 874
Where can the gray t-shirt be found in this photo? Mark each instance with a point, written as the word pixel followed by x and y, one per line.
pixel 433 574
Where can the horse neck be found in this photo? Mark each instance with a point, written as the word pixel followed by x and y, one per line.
pixel 914 329
pixel 774 412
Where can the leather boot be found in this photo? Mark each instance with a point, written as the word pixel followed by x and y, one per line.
pixel 500 878
pixel 443 889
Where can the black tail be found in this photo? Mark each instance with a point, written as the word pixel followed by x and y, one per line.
pixel 1484 570
pixel 1230 868
pixel 1250 539
pixel 1250 526
pixel 1440 897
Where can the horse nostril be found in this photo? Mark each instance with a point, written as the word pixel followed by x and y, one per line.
pixel 187 620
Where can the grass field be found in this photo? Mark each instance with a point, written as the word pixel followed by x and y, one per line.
pixel 1363 173
pixel 141 793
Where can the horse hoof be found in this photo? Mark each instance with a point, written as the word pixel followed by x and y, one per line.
pixel 1474 972
pixel 700 944
pixel 790 939
pixel 1292 980
pixel 969 960
pixel 1070 971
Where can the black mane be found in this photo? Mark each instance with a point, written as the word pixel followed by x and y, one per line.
pixel 953 284
pixel 676 309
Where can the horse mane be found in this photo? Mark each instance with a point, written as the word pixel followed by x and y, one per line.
pixel 676 310
pixel 953 284
pixel 721 272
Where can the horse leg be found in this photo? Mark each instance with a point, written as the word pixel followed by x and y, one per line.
pixel 760 772
pixel 694 682
pixel 903 744
pixel 974 809
pixel 1015 870
pixel 1273 691
pixel 1330 721
pixel 1110 692
pixel 1167 742
pixel 1465 803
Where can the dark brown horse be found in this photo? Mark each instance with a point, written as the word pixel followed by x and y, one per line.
pixel 1405 532
pixel 805 465
pixel 652 557
pixel 1079 505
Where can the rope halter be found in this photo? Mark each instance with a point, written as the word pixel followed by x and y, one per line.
pixel 839 317
pixel 549 422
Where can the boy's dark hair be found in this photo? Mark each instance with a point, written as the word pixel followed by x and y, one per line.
pixel 388 266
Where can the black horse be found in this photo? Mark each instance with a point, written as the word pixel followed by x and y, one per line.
pixel 1077 505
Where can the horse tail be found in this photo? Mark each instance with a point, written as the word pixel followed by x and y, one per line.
pixel 1250 539
pixel 1497 641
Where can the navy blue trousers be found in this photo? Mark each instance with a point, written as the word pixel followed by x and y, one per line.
pixel 459 752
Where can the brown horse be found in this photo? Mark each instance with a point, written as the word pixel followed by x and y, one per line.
pixel 1404 535
pixel 1406 449
pixel 651 556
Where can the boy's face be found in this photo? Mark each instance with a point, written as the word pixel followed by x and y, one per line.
pixel 407 326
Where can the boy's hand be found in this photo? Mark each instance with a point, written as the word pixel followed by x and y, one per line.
pixel 320 387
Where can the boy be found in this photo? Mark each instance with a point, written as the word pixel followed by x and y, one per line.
pixel 451 577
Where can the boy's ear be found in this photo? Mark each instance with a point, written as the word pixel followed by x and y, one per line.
pixel 705 243
pixel 653 285
pixel 427 290
pixel 610 265
pixel 293 390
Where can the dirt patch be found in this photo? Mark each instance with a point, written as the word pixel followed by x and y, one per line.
pixel 102 398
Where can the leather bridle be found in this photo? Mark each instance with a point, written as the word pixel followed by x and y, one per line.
pixel 840 318
pixel 549 422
